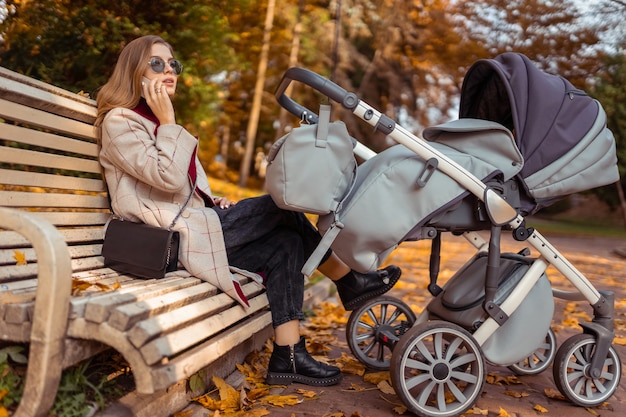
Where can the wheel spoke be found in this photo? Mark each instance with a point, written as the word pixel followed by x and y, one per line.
pixel 381 352
pixel 373 317
pixel 441 397
pixel 463 360
pixel 423 398
pixel 363 325
pixel 580 385
pixel 424 351
pixel 458 394
pixel 420 366
pixel 575 376
pixel 452 348
pixel 438 344
pixel 394 316
pixel 599 386
pixel 383 313
pixel 369 347
pixel 465 377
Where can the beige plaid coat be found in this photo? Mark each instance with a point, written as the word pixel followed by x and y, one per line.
pixel 147 167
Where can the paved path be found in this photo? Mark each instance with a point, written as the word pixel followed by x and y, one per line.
pixel 500 397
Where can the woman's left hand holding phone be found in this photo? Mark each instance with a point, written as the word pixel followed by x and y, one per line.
pixel 158 99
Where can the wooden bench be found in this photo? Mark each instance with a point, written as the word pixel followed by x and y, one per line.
pixel 52 215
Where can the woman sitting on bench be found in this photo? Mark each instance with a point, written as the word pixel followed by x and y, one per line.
pixel 150 166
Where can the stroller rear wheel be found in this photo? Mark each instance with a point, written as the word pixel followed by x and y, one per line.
pixel 571 372
pixel 437 369
pixel 375 328
pixel 539 360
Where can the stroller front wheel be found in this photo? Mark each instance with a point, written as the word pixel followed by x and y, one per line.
pixel 571 372
pixel 374 329
pixel 437 369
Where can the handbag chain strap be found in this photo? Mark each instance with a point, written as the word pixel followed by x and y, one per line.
pixel 180 212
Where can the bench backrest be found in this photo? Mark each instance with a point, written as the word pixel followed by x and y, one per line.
pixel 48 164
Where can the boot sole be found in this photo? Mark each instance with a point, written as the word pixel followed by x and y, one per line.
pixel 363 298
pixel 276 378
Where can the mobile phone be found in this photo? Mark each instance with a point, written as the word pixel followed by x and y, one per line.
pixel 146 81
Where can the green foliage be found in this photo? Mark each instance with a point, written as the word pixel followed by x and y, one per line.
pixel 11 379
pixel 83 386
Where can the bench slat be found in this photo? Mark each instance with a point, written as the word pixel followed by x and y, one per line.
pixel 49 140
pixel 38 179
pixel 12 240
pixel 98 310
pixel 125 316
pixel 75 218
pixel 41 119
pixel 34 93
pixel 47 160
pixel 147 330
pixel 186 337
pixel 26 199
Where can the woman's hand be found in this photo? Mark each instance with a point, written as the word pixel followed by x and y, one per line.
pixel 159 101
pixel 223 202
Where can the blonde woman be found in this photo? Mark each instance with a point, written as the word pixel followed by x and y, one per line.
pixel 150 166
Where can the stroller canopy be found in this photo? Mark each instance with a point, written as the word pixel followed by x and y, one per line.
pixel 560 131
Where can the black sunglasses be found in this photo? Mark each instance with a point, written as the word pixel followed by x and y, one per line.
pixel 158 65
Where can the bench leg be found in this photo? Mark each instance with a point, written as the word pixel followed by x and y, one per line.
pixel 45 360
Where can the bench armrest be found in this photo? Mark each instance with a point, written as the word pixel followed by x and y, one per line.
pixel 51 311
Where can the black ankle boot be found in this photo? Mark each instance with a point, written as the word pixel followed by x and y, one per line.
pixel 355 288
pixel 294 364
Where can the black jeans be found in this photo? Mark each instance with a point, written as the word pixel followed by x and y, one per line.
pixel 260 237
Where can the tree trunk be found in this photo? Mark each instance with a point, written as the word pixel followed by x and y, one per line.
pixel 293 61
pixel 253 122
pixel 622 200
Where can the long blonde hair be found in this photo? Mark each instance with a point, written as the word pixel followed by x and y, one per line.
pixel 123 89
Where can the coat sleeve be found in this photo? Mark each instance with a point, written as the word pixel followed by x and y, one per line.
pixel 160 159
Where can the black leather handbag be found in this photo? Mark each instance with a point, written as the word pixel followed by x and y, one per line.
pixel 141 249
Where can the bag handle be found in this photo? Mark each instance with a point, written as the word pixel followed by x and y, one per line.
pixel 322 126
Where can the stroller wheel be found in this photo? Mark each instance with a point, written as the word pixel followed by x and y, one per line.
pixel 374 329
pixel 539 360
pixel 437 369
pixel 571 376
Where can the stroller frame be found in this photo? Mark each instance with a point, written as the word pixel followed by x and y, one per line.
pixel 502 216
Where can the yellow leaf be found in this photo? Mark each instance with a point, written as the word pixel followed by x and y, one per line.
pixel 306 393
pixel 3 412
pixel 503 413
pixel 554 394
pixel 516 394
pixel 620 341
pixel 385 387
pixel 400 409
pixel 376 377
pixel 186 413
pixel 540 409
pixel 282 400
pixel 20 258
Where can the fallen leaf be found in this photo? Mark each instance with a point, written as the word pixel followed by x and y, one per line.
pixel 386 388
pixel 516 394
pixel 400 409
pixel 282 400
pixel 306 393
pixel 185 413
pixel 539 408
pixel 503 413
pixel 554 394
pixel 376 377
pixel 20 258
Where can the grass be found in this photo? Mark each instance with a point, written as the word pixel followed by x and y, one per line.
pixel 575 227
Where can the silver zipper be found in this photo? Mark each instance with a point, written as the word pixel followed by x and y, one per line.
pixel 292 357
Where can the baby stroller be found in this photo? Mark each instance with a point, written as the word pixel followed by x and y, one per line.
pixel 524 140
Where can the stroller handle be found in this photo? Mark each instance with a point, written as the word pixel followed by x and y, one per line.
pixel 323 85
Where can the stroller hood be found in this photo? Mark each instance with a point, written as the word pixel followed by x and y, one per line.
pixel 560 131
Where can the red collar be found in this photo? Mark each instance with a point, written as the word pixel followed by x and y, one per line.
pixel 144 110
